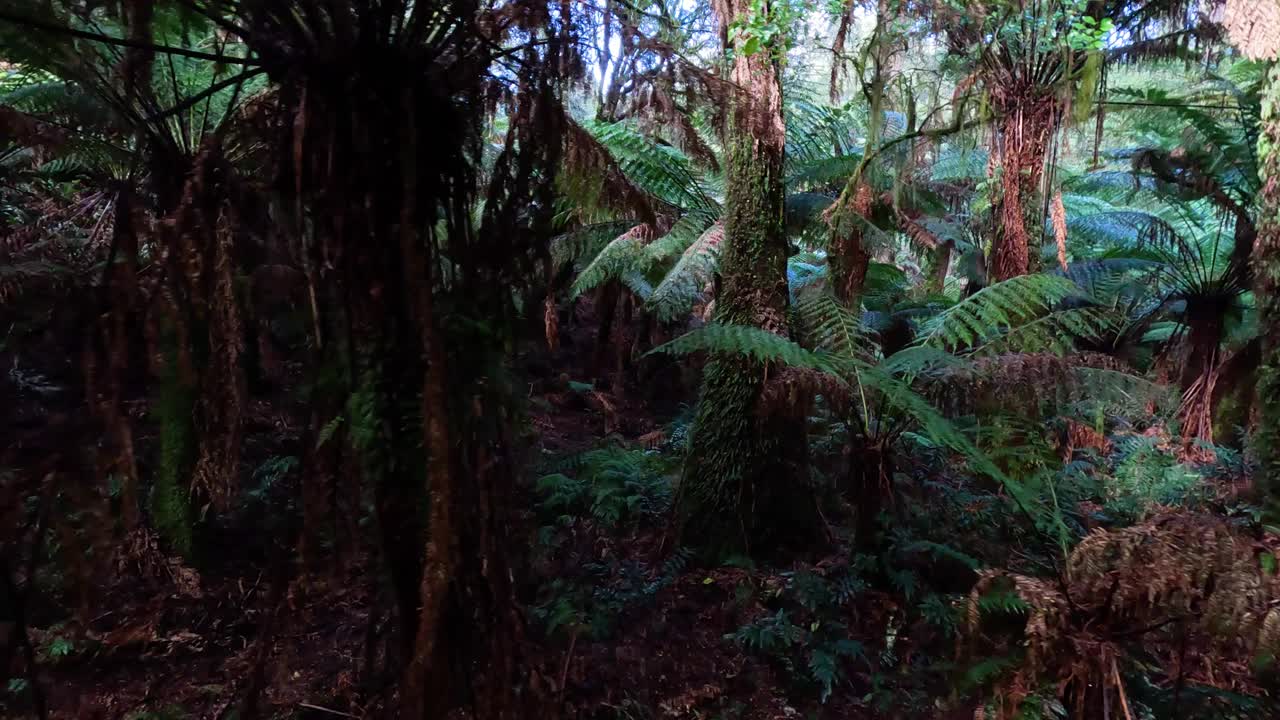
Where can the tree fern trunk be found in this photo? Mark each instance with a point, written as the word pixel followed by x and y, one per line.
pixel 1266 271
pixel 1021 136
pixel 850 259
pixel 744 480
pixel 941 263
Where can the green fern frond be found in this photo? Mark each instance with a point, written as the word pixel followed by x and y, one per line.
pixel 674 297
pixel 822 172
pixel 585 242
pixel 747 341
pixel 623 254
pixel 959 165
pixel 805 274
pixel 1055 332
pixel 827 325
pixel 994 310
pixel 919 360
pixel 661 170
pixel 684 233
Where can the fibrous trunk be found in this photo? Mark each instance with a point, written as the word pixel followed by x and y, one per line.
pixel 1027 119
pixel 745 475
pixel 850 258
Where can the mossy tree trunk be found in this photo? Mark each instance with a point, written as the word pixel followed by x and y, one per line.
pixel 1266 272
pixel 744 485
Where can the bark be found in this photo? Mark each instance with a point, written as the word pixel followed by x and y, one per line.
pixel 744 486
pixel 941 263
pixel 1027 119
pixel 1266 272
pixel 850 258
pixel 606 308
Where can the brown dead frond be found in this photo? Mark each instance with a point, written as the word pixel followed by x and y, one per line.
pixel 790 392
pixel 1254 27
pixel 1058 212
pixel 1180 578
pixel 588 164
pixel 1026 380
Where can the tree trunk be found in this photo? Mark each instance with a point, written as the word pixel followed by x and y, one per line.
pixel 744 484
pixel 850 259
pixel 1266 273
pixel 1027 119
pixel 941 263
pixel 870 484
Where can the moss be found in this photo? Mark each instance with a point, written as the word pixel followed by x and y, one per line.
pixel 171 510
pixel 744 480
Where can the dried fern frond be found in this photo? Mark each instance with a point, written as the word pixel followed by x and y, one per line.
pixel 1254 27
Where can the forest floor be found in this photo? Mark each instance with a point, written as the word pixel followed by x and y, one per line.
pixel 623 623
pixel 151 637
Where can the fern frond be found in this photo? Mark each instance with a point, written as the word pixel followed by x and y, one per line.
pixel 622 255
pixel 747 341
pixel 1055 332
pixel 683 233
pixel 660 170
pixel 992 311
pixel 585 242
pixel 913 362
pixel 959 165
pixel 675 295
pixel 821 172
pixel 805 274
pixel 827 325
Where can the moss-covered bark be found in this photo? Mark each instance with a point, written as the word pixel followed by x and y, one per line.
pixel 1266 271
pixel 744 483
pixel 170 505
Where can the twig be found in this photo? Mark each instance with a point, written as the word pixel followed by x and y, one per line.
pixel 36 24
pixel 568 658
pixel 1115 677
pixel 331 711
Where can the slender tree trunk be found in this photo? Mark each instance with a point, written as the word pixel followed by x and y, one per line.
pixel 744 485
pixel 606 308
pixel 1266 273
pixel 941 263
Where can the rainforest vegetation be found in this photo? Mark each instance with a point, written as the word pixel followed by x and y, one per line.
pixel 640 359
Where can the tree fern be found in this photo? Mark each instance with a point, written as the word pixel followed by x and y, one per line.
pixel 862 378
